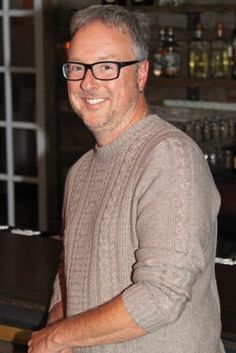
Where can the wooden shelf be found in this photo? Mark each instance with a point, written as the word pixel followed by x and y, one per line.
pixel 185 81
pixel 162 88
pixel 186 8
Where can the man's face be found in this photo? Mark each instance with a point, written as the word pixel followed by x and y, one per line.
pixel 106 107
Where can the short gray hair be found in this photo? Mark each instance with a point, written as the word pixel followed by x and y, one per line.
pixel 136 23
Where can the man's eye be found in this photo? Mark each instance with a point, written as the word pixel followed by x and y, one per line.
pixel 73 68
pixel 107 67
pixel 77 68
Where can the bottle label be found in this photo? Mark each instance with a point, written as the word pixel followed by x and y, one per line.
pixel 198 62
pixel 171 63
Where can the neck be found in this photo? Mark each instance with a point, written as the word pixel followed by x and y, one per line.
pixel 104 138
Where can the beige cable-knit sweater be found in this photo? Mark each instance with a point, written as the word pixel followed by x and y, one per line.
pixel 141 219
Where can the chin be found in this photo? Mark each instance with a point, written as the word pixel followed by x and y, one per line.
pixel 92 124
pixel 93 117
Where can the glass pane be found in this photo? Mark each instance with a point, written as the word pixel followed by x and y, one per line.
pixel 25 156
pixel 23 96
pixel 21 4
pixel 1 41
pixel 2 150
pixel 0 4
pixel 3 203
pixel 26 205
pixel 2 97
pixel 22 41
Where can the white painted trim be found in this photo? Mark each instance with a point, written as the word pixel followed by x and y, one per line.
pixel 39 124
pixel 19 178
pixel 8 109
pixel 19 125
pixel 18 69
pixel 40 113
pixel 17 13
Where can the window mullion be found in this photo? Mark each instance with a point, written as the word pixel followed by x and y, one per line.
pixel 8 107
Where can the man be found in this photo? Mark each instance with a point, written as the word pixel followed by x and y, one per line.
pixel 140 210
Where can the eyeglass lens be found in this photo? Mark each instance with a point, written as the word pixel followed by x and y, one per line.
pixel 103 70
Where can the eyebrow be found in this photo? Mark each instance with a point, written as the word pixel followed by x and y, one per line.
pixel 103 58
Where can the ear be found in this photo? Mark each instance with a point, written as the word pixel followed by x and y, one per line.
pixel 143 74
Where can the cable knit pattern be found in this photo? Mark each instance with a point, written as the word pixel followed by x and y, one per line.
pixel 140 219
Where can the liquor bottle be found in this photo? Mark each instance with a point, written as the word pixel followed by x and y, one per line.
pixel 158 62
pixel 220 66
pixel 114 2
pixel 233 70
pixel 171 55
pixel 232 148
pixel 234 161
pixel 198 55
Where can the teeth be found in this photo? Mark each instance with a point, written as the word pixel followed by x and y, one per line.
pixel 95 101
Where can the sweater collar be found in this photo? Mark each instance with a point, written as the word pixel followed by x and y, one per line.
pixel 124 140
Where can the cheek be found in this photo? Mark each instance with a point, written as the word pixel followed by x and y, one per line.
pixel 129 90
pixel 73 91
pixel 72 87
pixel 73 97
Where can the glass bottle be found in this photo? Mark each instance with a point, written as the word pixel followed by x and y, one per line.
pixel 158 62
pixel 232 148
pixel 170 2
pixel 233 70
pixel 171 55
pixel 142 2
pixel 198 61
pixel 114 2
pixel 220 55
pixel 138 2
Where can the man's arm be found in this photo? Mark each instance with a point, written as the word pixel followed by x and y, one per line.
pixel 56 313
pixel 106 324
pixel 58 300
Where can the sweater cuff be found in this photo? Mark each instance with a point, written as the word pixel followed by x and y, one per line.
pixel 141 308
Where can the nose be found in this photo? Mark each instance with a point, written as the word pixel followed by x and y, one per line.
pixel 89 81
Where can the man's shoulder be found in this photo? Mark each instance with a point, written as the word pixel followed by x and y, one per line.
pixel 161 130
pixel 81 163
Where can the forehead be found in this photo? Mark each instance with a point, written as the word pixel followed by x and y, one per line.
pixel 97 40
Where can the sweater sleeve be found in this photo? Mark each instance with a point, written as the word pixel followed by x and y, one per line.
pixel 177 206
pixel 56 297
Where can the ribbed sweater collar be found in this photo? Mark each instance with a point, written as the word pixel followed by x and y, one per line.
pixel 126 139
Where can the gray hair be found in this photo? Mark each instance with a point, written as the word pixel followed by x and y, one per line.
pixel 136 23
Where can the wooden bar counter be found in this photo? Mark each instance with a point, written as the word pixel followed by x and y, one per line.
pixel 28 268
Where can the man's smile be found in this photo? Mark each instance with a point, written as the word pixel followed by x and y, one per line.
pixel 95 100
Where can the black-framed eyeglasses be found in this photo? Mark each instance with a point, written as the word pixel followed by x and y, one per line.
pixel 102 70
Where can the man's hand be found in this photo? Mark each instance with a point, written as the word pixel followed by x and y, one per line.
pixel 43 341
